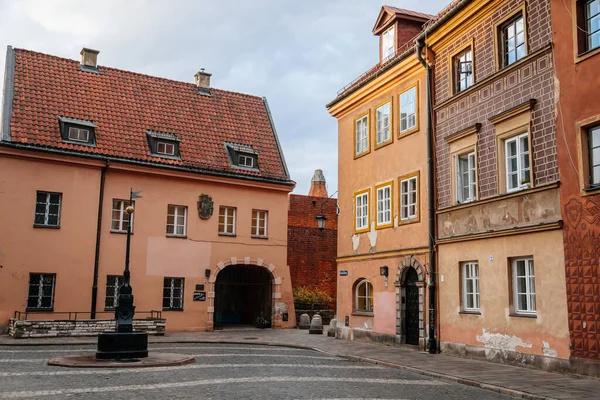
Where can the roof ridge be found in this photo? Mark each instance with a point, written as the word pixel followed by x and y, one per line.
pixel 17 50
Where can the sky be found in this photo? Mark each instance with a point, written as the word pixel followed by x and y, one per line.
pixel 297 54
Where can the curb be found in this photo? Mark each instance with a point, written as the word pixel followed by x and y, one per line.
pixel 449 378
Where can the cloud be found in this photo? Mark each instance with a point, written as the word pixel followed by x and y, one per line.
pixel 297 54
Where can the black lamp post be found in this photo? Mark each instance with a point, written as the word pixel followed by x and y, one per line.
pixel 124 343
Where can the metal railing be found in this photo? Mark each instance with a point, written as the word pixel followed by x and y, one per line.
pixel 73 315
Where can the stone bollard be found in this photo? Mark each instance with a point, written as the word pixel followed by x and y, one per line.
pixel 304 322
pixel 316 325
pixel 332 326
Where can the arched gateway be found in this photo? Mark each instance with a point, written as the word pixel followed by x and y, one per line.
pixel 410 295
pixel 241 290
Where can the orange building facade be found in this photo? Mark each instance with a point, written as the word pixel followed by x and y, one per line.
pixel 209 233
pixel 382 166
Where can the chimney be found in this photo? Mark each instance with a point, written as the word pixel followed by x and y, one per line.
pixel 203 81
pixel 317 187
pixel 89 57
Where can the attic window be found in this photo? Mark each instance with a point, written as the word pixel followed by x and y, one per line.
pixel 163 144
pixel 77 131
pixel 242 156
pixel 387 44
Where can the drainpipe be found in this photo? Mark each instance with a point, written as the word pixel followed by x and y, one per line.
pixel 98 236
pixel 432 342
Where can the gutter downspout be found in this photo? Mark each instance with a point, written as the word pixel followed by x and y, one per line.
pixel 98 236
pixel 432 342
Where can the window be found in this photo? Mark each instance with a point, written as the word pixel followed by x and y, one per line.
pixel 259 223
pixel 165 148
pixel 173 294
pixel 470 286
pixel 113 283
pixel 513 40
pixel 120 218
pixel 79 135
pixel 362 134
pixel 408 198
pixel 463 70
pixel 382 122
pixel 176 220
pixel 387 44
pixel 588 15
pixel 361 201
pixel 41 291
pixel 518 174
pixel 245 161
pixel 594 155
pixel 47 209
pixel 408 110
pixel 364 296
pixel 384 206
pixel 466 185
pixel 523 286
pixel 227 221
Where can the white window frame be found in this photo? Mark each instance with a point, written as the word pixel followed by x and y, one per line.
pixel 361 211
pixel 408 103
pixel 594 155
pixel 75 134
pixel 388 43
pixel 471 181
pixel 506 30
pixel 113 290
pixel 46 214
pixel 166 146
pixel 463 80
pixel 40 296
pixel 529 277
pixel 405 198
pixel 226 228
pixel 384 205
pixel 178 211
pixel 368 296
pixel 169 284
pixel 383 123
pixel 520 168
pixel 361 135
pixel 470 274
pixel 259 222
pixel 123 216
pixel 243 161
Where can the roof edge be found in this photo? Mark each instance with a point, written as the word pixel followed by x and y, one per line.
pixel 52 150
pixel 432 27
pixel 279 149
pixel 8 95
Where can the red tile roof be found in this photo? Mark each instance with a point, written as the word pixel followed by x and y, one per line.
pixel 408 13
pixel 124 105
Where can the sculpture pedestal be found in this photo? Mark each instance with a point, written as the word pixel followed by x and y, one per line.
pixel 113 345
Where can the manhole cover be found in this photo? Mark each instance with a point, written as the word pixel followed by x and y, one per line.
pixel 250 338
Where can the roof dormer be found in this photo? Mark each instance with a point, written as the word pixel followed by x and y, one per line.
pixel 77 131
pixel 396 27
pixel 242 156
pixel 163 144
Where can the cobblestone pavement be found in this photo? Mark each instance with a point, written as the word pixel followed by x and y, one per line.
pixel 221 371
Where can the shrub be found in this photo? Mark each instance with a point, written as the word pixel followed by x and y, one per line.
pixel 311 297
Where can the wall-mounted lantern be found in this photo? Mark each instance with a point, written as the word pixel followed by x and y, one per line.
pixel 321 221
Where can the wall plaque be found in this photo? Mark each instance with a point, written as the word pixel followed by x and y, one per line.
pixel 199 296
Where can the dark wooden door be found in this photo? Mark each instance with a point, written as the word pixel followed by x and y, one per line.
pixel 412 307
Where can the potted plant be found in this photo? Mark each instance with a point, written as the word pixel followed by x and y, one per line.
pixel 525 183
pixel 262 322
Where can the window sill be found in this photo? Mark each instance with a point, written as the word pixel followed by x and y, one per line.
pixel 46 226
pixel 521 315
pixel 468 312
pixel 409 221
pixel 357 232
pixel 586 54
pixel 364 153
pixel 386 226
pixel 407 133
pixel 259 237
pixel 177 236
pixel 362 314
pixel 39 309
pixel 121 232
pixel 590 190
pixel 227 234
pixel 109 309
pixel 172 309
pixel 383 144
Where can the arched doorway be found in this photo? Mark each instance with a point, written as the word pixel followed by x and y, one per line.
pixel 412 306
pixel 243 293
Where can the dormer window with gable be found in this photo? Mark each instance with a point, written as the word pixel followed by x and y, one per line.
pixel 388 48
pixel 77 131
pixel 163 144
pixel 242 156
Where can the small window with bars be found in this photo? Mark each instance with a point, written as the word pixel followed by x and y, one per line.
pixel 113 283
pixel 41 291
pixel 47 209
pixel 173 294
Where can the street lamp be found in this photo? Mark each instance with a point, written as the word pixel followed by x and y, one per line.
pixel 124 343
pixel 321 221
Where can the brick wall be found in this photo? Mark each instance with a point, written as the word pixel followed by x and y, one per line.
pixel 19 329
pixel 312 253
pixel 533 79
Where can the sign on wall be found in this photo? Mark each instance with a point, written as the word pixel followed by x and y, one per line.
pixel 344 272
pixel 199 296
